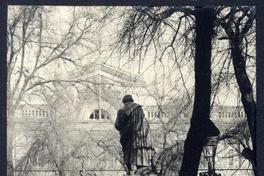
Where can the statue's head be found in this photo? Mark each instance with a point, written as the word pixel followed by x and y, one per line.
pixel 127 98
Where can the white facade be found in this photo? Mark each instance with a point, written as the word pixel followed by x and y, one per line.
pixel 94 120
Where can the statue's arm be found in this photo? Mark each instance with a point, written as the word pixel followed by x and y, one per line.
pixel 118 124
pixel 140 114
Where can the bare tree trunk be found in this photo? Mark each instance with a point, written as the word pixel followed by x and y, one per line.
pixel 235 37
pixel 247 97
pixel 201 126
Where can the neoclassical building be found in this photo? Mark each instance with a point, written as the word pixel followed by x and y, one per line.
pixel 92 119
pixel 87 132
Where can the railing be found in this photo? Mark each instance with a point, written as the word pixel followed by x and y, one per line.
pixel 110 172
pixel 87 172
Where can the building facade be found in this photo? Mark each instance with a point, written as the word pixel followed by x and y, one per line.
pixel 84 139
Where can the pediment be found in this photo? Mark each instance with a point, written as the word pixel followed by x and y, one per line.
pixel 106 74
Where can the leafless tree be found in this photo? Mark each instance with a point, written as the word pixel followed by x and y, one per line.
pixel 34 44
pixel 172 111
pixel 55 145
pixel 145 28
pixel 239 27
pixel 173 33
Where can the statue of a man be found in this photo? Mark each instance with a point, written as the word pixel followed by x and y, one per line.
pixel 134 135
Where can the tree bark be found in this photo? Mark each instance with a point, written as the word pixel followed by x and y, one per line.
pixel 246 91
pixel 239 63
pixel 201 125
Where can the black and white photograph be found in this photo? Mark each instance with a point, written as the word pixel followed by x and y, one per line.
pixel 131 90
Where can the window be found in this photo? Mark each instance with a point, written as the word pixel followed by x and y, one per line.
pixel 231 160
pixel 96 115
pixel 148 114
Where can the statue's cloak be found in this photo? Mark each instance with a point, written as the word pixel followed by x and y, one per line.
pixel 135 135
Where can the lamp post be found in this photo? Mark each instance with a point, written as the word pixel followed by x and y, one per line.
pixel 209 154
